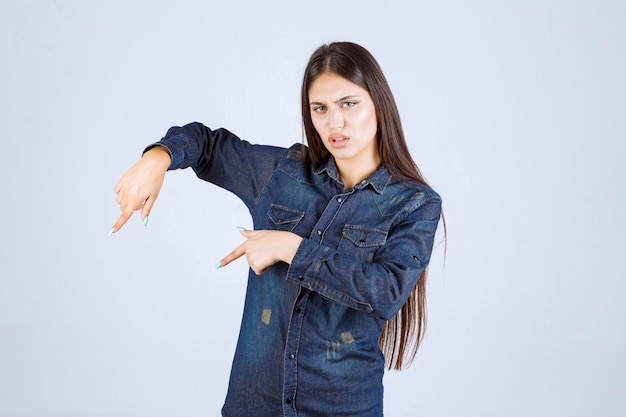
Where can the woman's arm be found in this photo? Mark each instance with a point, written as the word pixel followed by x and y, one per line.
pixel 217 156
pixel 220 157
pixel 382 286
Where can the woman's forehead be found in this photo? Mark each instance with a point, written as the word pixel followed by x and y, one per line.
pixel 333 86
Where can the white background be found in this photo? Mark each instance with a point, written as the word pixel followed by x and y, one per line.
pixel 515 111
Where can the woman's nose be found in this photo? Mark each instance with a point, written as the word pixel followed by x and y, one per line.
pixel 336 119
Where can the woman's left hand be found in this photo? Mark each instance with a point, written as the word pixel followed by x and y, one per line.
pixel 263 248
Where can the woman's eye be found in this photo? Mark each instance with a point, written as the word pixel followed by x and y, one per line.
pixel 348 104
pixel 319 109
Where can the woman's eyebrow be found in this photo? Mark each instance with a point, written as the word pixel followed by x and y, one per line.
pixel 349 97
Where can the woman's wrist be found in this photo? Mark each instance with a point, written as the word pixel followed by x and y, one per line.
pixel 291 246
pixel 159 155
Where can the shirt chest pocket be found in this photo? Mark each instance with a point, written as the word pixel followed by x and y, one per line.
pixel 283 218
pixel 362 241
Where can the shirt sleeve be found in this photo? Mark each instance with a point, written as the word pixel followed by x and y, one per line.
pixel 220 157
pixel 382 286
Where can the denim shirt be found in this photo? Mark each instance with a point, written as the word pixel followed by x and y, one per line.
pixel 308 342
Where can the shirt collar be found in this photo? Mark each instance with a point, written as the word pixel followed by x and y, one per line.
pixel 378 180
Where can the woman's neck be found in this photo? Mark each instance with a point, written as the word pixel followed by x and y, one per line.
pixel 352 172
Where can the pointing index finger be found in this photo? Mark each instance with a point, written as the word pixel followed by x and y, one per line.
pixel 121 221
pixel 235 254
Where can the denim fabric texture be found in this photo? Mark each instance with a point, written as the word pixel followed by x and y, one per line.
pixel 308 342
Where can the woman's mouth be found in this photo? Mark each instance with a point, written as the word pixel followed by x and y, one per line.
pixel 337 141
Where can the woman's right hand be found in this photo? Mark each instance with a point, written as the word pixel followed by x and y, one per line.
pixel 140 185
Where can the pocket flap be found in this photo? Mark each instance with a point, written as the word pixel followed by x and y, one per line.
pixel 284 215
pixel 364 236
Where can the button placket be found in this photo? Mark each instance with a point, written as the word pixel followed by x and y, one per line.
pixel 291 353
pixel 330 212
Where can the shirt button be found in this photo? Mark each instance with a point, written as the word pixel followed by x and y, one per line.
pixel 319 232
pixel 298 309
pixel 339 199
pixel 288 400
pixel 292 356
pixel 301 278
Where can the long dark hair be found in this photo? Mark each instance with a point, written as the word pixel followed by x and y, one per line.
pixel 403 333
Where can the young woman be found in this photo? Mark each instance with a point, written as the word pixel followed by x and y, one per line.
pixel 344 230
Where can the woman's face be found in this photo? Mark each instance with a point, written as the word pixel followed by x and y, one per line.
pixel 345 118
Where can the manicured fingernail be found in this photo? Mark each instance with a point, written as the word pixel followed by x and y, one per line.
pixel 145 221
pixel 111 231
pixel 218 266
pixel 241 228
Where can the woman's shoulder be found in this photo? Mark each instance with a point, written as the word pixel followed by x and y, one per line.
pixel 406 196
pixel 295 155
pixel 404 184
pixel 421 188
pixel 294 162
pixel 297 152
